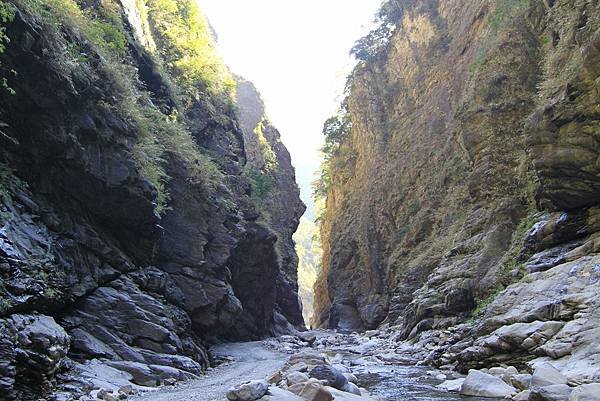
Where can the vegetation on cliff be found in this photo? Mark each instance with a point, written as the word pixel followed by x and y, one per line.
pixel 191 58
pixel 431 196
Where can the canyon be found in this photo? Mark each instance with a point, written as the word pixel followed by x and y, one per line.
pixel 148 207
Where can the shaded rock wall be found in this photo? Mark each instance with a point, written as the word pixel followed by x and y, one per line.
pixel 85 259
pixel 281 202
pixel 474 117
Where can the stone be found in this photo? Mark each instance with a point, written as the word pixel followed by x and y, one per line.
pixel 278 394
pixel 555 392
pixel 127 389
pixel 547 375
pixel 307 337
pixel 586 392
pixel 298 367
pixel 170 381
pixel 521 381
pixel 296 377
pixel 371 333
pixel 275 378
pixel 522 396
pixel 313 390
pixel 451 385
pixel 351 388
pixel 332 376
pixel 249 391
pixel 497 371
pixel 479 384
pixel 350 377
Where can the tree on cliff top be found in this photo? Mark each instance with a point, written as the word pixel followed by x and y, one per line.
pixel 369 46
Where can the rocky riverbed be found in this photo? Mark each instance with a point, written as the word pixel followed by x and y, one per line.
pixel 325 366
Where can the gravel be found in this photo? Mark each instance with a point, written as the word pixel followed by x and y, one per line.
pixel 252 361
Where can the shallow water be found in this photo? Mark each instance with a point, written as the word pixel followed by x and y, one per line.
pixel 399 382
pixel 405 383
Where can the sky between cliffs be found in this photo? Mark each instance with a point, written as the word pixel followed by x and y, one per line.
pixel 296 53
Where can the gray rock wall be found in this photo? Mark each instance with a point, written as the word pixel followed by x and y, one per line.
pixel 92 278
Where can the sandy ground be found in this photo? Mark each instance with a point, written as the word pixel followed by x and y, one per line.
pixel 252 361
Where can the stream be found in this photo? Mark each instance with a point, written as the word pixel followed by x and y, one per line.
pixel 253 360
pixel 398 382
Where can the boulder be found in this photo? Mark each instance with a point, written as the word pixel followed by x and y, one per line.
pixel 521 381
pixel 344 396
pixel 307 337
pixel 275 378
pixel 479 384
pixel 313 390
pixel 451 385
pixel 351 388
pixel 249 391
pixel 350 377
pixel 296 378
pixel 586 392
pixel 330 375
pixel 497 371
pixel 547 375
pixel 522 396
pixel 278 394
pixel 555 392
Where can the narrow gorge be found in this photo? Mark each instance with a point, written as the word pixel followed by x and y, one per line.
pixel 148 208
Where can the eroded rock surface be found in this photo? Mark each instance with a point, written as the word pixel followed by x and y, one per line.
pixel 131 232
pixel 462 211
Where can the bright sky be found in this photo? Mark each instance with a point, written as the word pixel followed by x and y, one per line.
pixel 296 53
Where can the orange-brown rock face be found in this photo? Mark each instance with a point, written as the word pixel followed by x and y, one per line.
pixel 474 111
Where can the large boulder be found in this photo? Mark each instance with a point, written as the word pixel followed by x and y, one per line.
pixel 278 394
pixel 296 378
pixel 249 391
pixel 547 375
pixel 313 390
pixel 479 384
pixel 586 392
pixel 555 392
pixel 331 375
pixel 451 385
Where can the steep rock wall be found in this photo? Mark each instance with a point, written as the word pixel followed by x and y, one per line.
pixel 474 117
pixel 270 163
pixel 104 267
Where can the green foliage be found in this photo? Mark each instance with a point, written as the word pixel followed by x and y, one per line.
pixel 265 148
pixel 7 14
pixel 262 183
pixel 322 183
pixel 101 25
pixel 335 129
pixel 370 46
pixel 160 135
pixel 188 48
pixel 504 13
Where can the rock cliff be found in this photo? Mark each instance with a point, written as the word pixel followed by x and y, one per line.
pixel 466 188
pixel 135 222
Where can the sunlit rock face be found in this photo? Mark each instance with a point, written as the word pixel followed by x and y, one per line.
pixel 472 121
pixel 132 231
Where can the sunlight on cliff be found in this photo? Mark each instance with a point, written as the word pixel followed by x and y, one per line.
pixel 308 247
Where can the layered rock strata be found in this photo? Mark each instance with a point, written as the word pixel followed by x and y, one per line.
pixel 104 268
